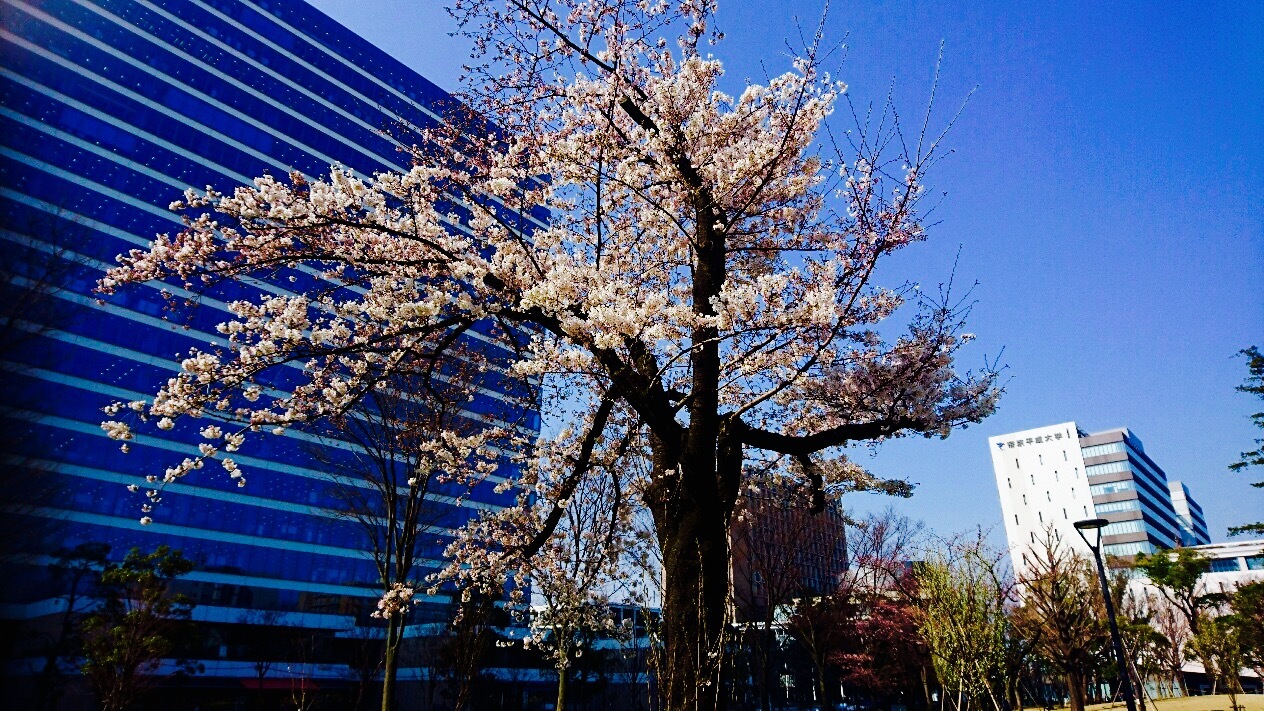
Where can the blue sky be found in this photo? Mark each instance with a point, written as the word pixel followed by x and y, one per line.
pixel 1106 192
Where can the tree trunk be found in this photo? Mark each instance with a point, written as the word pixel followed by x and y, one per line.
pixel 561 689
pixel 765 659
pixel 390 661
pixel 820 684
pixel 1075 689
pixel 695 596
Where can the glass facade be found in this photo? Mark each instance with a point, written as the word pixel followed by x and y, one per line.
pixel 109 109
pixel 1115 506
pixel 1123 550
pixel 1190 516
pixel 1148 509
pixel 1098 450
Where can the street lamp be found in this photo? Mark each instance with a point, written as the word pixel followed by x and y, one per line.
pixel 1125 680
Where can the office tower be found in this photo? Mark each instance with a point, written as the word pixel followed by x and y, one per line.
pixel 782 552
pixel 110 109
pixel 1189 515
pixel 1050 477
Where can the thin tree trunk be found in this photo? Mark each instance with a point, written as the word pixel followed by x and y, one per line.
pixel 820 683
pixel 561 689
pixel 1139 686
pixel 1075 689
pixel 390 661
pixel 765 660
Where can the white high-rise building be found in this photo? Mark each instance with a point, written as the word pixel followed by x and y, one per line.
pixel 1050 477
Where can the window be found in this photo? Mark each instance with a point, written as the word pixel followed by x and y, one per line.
pixel 1255 562
pixel 1055 474
pixel 1118 527
pixel 1016 519
pixel 1064 514
pixel 1101 449
pixel 1009 482
pixel 1225 565
pixel 1024 499
pixel 1130 505
pixel 1048 497
pixel 1123 549
pixel 1086 511
pixel 1112 487
pixel 1064 457
pixel 1016 464
pixel 1033 479
pixel 1107 468
pixel 1040 458
pixel 1041 516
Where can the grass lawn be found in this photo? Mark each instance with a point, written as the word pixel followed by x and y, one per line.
pixel 1220 702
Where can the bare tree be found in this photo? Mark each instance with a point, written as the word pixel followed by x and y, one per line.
pixel 470 637
pixel 397 482
pixel 40 259
pixel 1170 623
pixel 76 571
pixel 1062 612
pixel 781 551
pixel 879 548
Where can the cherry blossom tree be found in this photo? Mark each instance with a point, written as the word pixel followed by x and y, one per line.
pixel 607 233
pixel 582 530
pixel 577 569
pixel 391 486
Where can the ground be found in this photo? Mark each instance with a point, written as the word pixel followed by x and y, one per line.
pixel 1220 702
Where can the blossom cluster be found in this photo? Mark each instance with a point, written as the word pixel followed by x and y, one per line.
pixel 395 602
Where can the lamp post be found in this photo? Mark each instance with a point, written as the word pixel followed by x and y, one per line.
pixel 1125 680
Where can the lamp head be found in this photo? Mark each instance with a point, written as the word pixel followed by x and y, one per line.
pixel 1091 524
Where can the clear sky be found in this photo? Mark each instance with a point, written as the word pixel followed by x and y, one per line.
pixel 1106 191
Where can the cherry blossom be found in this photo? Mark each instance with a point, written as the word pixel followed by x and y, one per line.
pixel 669 273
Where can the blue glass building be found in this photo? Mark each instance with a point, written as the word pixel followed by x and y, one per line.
pixel 110 109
